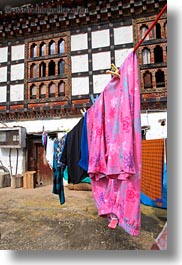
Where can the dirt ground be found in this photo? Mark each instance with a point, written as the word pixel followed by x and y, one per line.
pixel 33 219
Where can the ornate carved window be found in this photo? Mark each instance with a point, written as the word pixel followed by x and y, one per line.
pixel 42 49
pixel 48 68
pixel 52 67
pixel 61 89
pixel 33 50
pixel 33 71
pixel 61 67
pixel 146 56
pixel 61 46
pixel 42 69
pixel 147 78
pixel 143 30
pixel 42 91
pixel 160 82
pixel 158 54
pixel 158 31
pixel 33 91
pixel 52 90
pixel 152 56
pixel 52 47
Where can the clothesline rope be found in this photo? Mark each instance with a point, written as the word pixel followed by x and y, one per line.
pixel 150 28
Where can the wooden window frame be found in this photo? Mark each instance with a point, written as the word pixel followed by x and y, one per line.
pixel 57 57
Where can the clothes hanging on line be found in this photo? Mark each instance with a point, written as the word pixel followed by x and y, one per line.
pixel 106 144
pixel 71 154
pixel 50 151
pixel 83 162
pixel 114 148
pixel 85 180
pixel 54 150
pixel 58 169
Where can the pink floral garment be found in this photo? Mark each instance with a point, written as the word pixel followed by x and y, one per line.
pixel 114 145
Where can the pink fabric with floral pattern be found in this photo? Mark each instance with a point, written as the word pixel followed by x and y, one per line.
pixel 114 145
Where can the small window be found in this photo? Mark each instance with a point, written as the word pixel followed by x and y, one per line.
pixel 42 91
pixel 42 49
pixel 61 89
pixel 159 78
pixel 51 68
pixel 158 54
pixel 61 67
pixel 146 56
pixel 61 46
pixel 42 69
pixel 52 90
pixel 52 47
pixel 33 52
pixel 33 91
pixel 158 31
pixel 143 30
pixel 33 71
pixel 147 78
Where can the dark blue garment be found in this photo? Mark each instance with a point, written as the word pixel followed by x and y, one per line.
pixel 60 148
pixel 83 162
pixel 58 170
pixel 71 154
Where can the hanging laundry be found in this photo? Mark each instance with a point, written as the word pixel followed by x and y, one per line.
pixel 50 151
pixel 58 169
pixel 114 148
pixel 71 154
pixel 85 180
pixel 83 162
pixel 44 139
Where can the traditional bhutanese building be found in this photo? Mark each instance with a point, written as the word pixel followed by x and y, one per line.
pixel 53 61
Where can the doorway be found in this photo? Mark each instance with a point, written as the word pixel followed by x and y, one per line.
pixel 36 160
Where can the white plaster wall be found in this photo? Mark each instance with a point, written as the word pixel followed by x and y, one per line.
pixel 3 93
pixel 100 81
pixel 5 159
pixel 123 35
pixel 17 52
pixel 80 85
pixel 3 74
pixel 3 54
pixel 17 72
pixel 35 126
pixel 101 60
pixel 17 92
pixel 156 131
pixel 79 63
pixel 79 42
pixel 100 38
pixel 120 56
